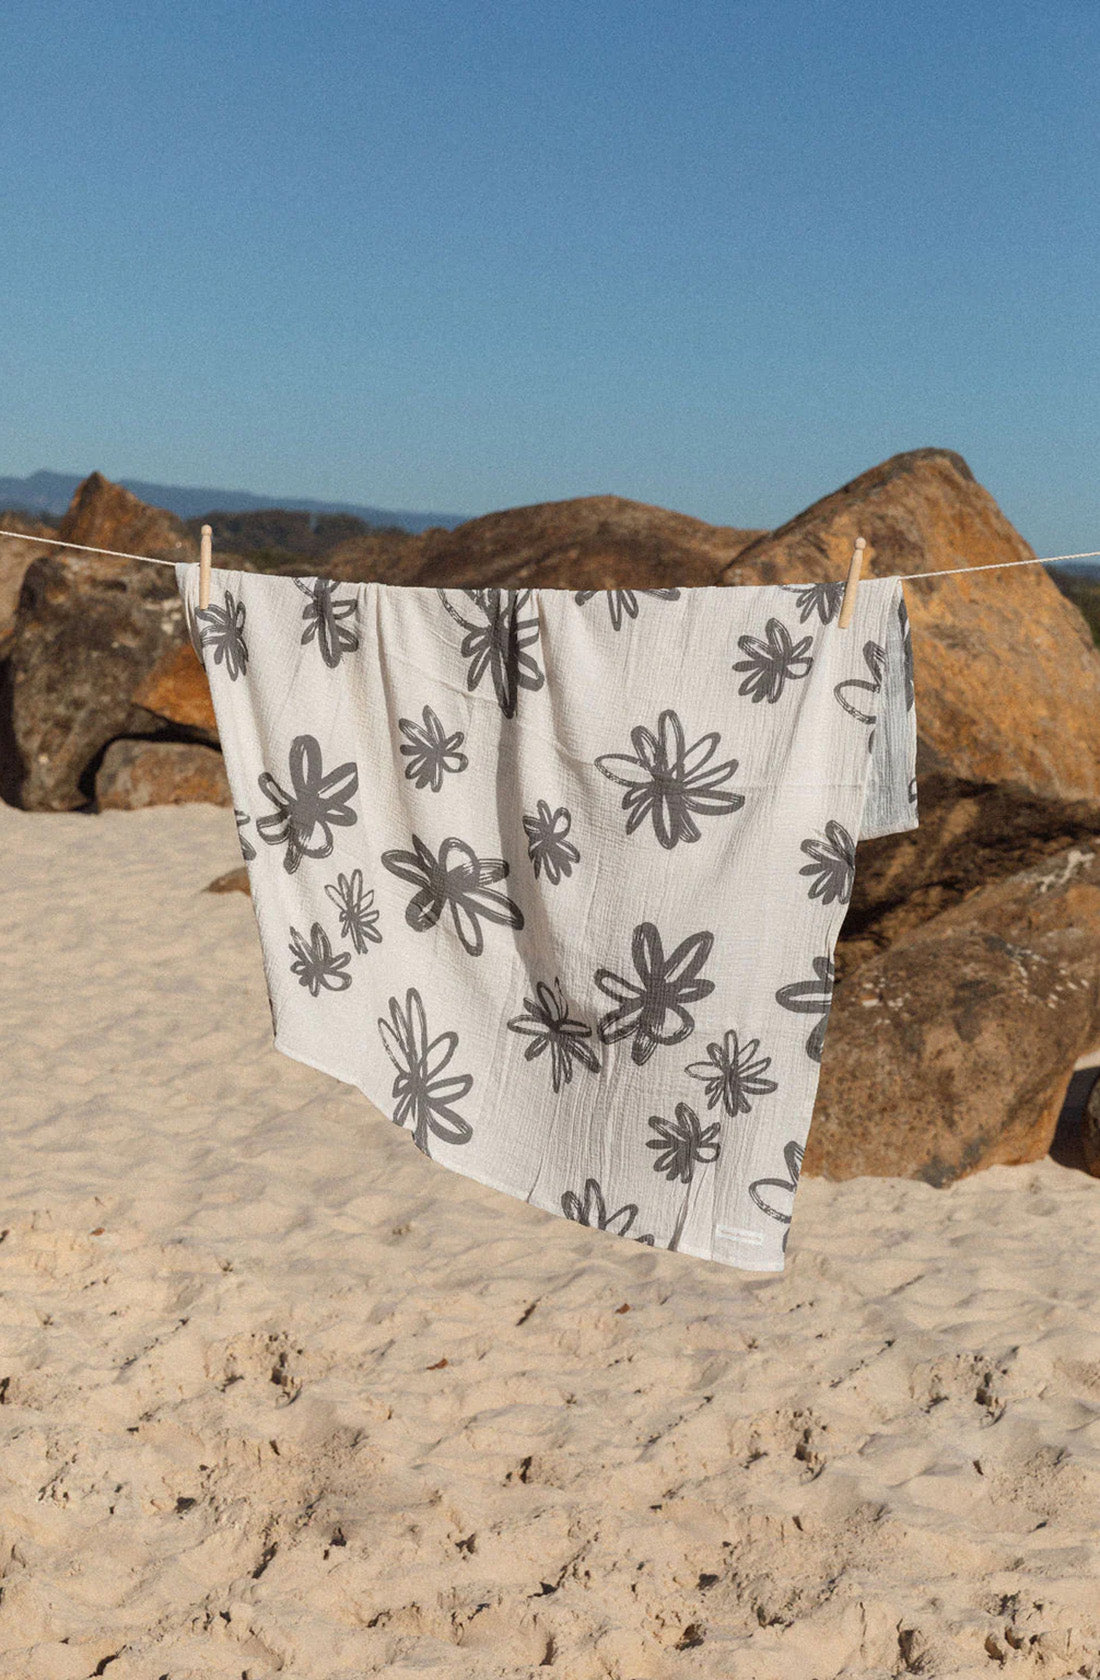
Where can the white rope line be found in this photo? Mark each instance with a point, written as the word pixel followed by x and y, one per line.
pixel 954 571
pixel 116 553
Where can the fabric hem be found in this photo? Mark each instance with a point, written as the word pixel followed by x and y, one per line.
pixel 509 1190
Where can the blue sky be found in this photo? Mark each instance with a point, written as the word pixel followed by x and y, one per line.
pixel 458 256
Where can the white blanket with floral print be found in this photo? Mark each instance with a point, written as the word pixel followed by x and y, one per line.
pixel 555 877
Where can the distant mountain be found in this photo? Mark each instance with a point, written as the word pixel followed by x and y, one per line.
pixel 51 492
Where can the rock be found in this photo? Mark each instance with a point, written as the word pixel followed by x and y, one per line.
pixel 15 557
pixel 88 631
pixel 1007 683
pixel 953 1050
pixel 177 690
pixel 136 773
pixel 588 542
pixel 104 515
pixel 1090 1132
pixel 234 880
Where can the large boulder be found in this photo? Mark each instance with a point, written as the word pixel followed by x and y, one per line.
pixel 15 557
pixel 588 542
pixel 88 631
pixel 177 690
pixel 1007 683
pixel 136 773
pixel 953 1050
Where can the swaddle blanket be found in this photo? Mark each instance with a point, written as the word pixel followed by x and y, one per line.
pixel 555 877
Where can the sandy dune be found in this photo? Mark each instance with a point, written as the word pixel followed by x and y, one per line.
pixel 280 1396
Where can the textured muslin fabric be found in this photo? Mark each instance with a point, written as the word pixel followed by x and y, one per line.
pixel 555 877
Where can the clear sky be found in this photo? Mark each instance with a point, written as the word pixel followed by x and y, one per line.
pixel 457 256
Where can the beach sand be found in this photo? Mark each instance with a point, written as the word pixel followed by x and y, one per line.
pixel 281 1396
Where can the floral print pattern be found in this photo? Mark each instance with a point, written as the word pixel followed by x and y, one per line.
pixel 766 1191
pixel 682 1144
pixel 820 600
pixel 547 1022
pixel 732 1073
pixel 242 819
pixel 622 602
pixel 358 920
pixel 222 630
pixel 874 657
pixel 671 783
pixel 906 653
pixel 623 1024
pixel 812 997
pixel 773 662
pixel 832 865
pixel 324 616
pixel 431 751
pixel 547 847
pixel 422 1091
pixel 591 1209
pixel 305 817
pixel 455 879
pixel 314 963
pixel 498 637
pixel 653 1010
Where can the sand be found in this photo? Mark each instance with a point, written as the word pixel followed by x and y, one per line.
pixel 281 1396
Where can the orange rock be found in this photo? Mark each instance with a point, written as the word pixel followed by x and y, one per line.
pixel 234 880
pixel 104 515
pixel 176 688
pixel 1007 682
pixel 953 1050
pixel 134 774
pixel 587 542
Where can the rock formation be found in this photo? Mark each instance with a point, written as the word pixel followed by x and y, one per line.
pixel 1007 684
pixel 953 1049
pixel 88 630
pixel 15 557
pixel 137 773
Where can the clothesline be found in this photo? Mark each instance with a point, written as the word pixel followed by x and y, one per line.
pixel 911 577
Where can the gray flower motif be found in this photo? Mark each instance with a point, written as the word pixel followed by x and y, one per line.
pixel 496 639
pixel 874 657
pixel 315 964
pixel 358 921
pixel 248 850
pixel 305 817
pixel 457 880
pixel 668 782
pixel 421 1090
pixel 682 1142
pixel 824 599
pixel 812 997
pixel 547 1022
pixel 620 601
pixel 833 866
pixel 653 1012
pixel 792 1156
pixel 322 618
pixel 681 1145
pixel 906 653
pixel 591 1210
pixel 431 752
pixel 222 629
pixel 773 662
pixel 547 846
pixel 733 1073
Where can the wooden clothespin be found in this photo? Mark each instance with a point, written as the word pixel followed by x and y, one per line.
pixel 848 605
pixel 205 547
